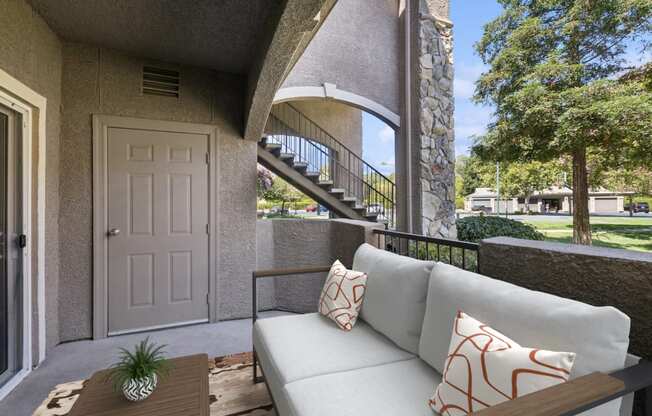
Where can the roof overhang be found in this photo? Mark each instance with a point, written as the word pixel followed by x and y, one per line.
pixel 289 35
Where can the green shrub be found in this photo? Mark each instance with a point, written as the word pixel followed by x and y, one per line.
pixel 273 215
pixel 475 229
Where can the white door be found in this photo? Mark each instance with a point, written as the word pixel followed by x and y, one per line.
pixel 157 229
pixel 606 205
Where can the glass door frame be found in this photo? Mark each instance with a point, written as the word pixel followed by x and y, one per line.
pixel 22 167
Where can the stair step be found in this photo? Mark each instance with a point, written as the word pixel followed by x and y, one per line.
pixel 359 209
pixel 349 199
pixel 313 176
pixel 325 183
pixel 300 166
pixel 371 217
pixel 272 147
pixel 287 158
pixel 337 191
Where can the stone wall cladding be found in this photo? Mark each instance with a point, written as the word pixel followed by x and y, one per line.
pixel 593 275
pixel 435 101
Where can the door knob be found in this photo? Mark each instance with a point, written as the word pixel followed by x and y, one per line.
pixel 113 232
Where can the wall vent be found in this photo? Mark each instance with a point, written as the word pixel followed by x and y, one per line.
pixel 158 81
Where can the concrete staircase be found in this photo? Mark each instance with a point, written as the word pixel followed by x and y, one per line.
pixel 290 167
pixel 320 166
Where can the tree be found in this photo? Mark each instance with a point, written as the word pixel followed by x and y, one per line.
pixel 553 68
pixel 638 181
pixel 273 188
pixel 523 179
pixel 475 173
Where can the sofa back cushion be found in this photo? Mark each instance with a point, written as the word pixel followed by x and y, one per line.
pixel 598 335
pixel 395 297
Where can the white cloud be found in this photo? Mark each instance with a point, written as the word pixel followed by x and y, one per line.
pixel 465 77
pixel 464 88
pixel 466 131
pixel 386 134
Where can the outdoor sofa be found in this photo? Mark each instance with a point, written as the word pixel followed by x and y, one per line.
pixel 392 360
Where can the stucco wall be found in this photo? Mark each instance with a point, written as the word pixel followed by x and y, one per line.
pixel 594 275
pixel 289 243
pixel 101 81
pixel 341 121
pixel 31 53
pixel 357 48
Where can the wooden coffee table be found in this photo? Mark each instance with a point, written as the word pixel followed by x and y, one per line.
pixel 183 392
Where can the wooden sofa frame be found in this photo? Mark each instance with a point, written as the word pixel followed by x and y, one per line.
pixel 566 399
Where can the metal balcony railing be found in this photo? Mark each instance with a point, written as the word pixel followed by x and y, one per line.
pixel 311 145
pixel 462 254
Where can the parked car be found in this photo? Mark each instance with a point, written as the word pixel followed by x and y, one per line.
pixel 278 210
pixel 638 207
pixel 481 208
pixel 311 208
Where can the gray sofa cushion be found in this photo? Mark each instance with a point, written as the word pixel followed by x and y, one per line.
pixel 395 298
pixel 397 389
pixel 295 347
pixel 598 335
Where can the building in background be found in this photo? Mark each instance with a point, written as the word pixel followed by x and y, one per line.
pixel 553 200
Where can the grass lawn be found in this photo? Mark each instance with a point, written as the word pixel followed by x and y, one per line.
pixel 614 232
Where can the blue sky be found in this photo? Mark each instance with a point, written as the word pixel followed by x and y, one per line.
pixel 469 17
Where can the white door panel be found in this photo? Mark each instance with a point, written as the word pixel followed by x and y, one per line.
pixel 158 200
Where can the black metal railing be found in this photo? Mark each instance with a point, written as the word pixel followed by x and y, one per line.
pixel 462 254
pixel 323 154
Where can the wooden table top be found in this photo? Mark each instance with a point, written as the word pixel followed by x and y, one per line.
pixel 183 392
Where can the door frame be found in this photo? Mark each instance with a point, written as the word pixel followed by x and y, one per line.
pixel 25 113
pixel 101 125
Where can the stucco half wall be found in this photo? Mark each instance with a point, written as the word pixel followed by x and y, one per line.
pixel 600 276
pixel 289 243
pixel 102 81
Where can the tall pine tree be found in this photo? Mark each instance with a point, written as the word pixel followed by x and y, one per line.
pixel 553 79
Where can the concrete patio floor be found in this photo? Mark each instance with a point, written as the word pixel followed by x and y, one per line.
pixel 78 360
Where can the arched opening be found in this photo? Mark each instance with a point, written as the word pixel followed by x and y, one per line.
pixel 328 142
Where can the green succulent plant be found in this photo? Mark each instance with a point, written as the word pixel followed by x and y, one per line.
pixel 146 359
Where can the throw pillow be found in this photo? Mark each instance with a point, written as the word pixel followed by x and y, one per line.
pixel 342 295
pixel 485 368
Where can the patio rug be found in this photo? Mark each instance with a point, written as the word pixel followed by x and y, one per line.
pixel 229 384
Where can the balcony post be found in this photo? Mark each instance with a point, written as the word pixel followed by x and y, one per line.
pixel 433 144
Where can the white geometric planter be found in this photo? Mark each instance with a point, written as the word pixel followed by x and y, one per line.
pixel 136 390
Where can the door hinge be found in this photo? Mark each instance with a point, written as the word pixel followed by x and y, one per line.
pixel 207 302
pixel 208 228
pixel 208 158
pixel 22 241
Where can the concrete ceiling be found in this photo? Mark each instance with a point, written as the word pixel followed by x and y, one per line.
pixel 220 34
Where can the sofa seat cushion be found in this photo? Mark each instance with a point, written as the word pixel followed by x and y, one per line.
pixel 396 389
pixel 395 297
pixel 295 347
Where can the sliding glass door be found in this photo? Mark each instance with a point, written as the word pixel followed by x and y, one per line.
pixel 10 250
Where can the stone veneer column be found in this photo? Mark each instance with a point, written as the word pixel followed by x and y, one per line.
pixel 435 106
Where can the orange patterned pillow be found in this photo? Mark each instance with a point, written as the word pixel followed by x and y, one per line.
pixel 485 368
pixel 341 297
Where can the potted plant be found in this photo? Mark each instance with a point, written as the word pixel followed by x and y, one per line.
pixel 137 373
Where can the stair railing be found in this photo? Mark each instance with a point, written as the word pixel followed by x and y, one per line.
pixel 370 188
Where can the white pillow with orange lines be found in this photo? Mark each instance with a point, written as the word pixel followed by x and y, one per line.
pixel 485 368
